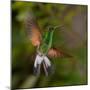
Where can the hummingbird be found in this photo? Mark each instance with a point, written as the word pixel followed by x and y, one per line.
pixel 43 44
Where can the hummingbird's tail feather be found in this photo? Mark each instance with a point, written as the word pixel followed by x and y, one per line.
pixel 37 70
pixel 45 69
pixel 47 61
pixel 47 66
pixel 37 64
pixel 48 70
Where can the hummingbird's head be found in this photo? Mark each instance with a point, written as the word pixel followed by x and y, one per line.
pixel 55 27
pixel 50 28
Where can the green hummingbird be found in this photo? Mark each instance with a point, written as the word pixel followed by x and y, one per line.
pixel 43 45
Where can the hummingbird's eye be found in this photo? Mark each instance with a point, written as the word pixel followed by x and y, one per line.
pixel 50 28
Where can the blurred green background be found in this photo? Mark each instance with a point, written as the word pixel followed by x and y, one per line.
pixel 71 39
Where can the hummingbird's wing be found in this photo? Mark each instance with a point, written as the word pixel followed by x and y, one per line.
pixel 53 52
pixel 33 30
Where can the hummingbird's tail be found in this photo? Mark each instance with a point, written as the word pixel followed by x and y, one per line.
pixel 47 66
pixel 37 70
pixel 37 65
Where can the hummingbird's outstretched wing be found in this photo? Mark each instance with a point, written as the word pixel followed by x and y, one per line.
pixel 33 30
pixel 53 52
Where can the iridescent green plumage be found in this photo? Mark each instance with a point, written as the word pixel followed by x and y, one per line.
pixel 46 42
